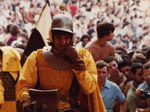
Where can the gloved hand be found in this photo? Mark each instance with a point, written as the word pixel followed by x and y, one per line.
pixel 72 55
pixel 27 109
pixel 26 103
pixel 79 65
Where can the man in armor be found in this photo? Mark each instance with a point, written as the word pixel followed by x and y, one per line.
pixel 60 66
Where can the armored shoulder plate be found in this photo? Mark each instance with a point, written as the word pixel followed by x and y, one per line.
pixel 56 62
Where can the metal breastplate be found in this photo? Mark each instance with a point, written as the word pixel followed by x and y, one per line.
pixel 56 62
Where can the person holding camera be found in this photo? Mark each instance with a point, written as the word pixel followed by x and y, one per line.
pixel 143 91
pixel 136 71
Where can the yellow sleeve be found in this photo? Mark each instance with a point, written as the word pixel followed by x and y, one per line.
pixel 88 78
pixel 28 76
pixel 1 93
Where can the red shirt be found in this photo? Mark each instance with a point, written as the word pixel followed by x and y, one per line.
pixel 73 9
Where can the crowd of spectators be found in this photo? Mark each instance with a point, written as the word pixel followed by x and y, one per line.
pixel 130 17
pixel 130 39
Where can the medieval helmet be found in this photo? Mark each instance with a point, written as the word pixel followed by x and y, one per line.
pixel 62 21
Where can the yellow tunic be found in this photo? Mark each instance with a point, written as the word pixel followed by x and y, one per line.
pixel 61 79
pixel 10 63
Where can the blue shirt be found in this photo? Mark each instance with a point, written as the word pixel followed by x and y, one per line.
pixel 111 93
pixel 144 87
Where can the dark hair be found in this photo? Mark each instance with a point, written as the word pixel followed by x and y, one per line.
pixel 110 59
pixel 125 57
pixel 134 48
pixel 85 36
pixel 146 52
pixel 125 63
pixel 104 29
pixel 54 32
pixel 61 32
pixel 14 30
pixel 135 66
pixel 134 41
pixel 121 49
pixel 101 64
pixel 8 27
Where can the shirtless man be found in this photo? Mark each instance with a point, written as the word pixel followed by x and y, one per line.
pixel 100 48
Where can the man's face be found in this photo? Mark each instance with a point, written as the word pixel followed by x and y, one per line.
pixel 147 75
pixel 113 67
pixel 62 40
pixel 110 36
pixel 126 71
pixel 138 76
pixel 102 74
pixel 85 41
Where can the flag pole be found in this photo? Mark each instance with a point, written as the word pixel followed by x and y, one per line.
pixel 47 1
pixel 39 35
